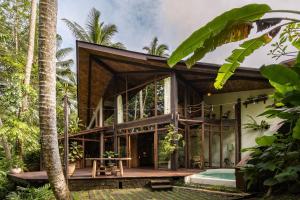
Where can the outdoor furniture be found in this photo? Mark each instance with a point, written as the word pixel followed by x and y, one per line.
pixel 95 160
pixel 197 162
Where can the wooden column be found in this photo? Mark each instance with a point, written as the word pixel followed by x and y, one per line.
pixel 101 144
pixel 155 139
pixel 115 116
pixel 189 146
pixel 238 131
pixel 174 112
pixel 66 137
pixel 221 136
pixel 127 147
pixel 83 147
pixel 155 148
pixel 186 148
pixel 210 145
pixel 202 133
pixel 89 89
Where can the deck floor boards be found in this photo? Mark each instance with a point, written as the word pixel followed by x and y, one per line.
pixel 128 173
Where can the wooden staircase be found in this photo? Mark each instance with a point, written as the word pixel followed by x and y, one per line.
pixel 161 185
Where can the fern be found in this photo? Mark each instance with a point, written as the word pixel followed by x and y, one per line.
pixel 211 31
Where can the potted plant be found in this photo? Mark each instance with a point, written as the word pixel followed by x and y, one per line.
pixel 171 142
pixel 110 154
pixel 75 154
pixel 16 165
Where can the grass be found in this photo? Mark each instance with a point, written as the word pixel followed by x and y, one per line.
pixel 146 194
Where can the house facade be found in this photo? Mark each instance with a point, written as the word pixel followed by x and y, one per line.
pixel 127 101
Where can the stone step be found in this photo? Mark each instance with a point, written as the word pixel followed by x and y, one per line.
pixel 160 182
pixel 161 187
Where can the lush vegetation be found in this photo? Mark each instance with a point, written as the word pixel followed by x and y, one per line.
pixel 274 165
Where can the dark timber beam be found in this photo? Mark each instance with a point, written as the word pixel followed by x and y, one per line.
pixel 238 131
pixel 104 65
pixel 88 114
pixel 145 122
pixel 115 117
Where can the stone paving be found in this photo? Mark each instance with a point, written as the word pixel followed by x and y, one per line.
pixel 146 194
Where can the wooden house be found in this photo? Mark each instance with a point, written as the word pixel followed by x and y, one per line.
pixel 127 100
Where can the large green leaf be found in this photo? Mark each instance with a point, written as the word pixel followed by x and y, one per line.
pixel 237 57
pixel 211 31
pixel 265 140
pixel 296 130
pixel 233 33
pixel 280 74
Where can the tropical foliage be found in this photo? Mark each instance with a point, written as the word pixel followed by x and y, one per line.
pixel 235 25
pixel 96 31
pixel 41 193
pixel 157 49
pixel 275 161
pixel 172 141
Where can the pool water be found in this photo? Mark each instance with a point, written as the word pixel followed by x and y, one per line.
pixel 221 175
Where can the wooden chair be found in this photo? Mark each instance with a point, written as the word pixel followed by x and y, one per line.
pixel 197 162
pixel 101 170
pixel 115 171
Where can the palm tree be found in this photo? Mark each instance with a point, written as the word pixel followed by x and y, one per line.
pixel 30 52
pixel 96 31
pixel 156 49
pixel 47 98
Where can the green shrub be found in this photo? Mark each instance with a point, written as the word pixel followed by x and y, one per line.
pixel 275 160
pixel 41 193
pixel 32 160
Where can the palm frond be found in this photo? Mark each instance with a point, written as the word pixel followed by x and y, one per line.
pixel 156 49
pixel 77 30
pixel 118 45
pixel 94 26
pixel 62 53
pixel 108 32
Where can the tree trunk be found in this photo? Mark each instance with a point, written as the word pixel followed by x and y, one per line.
pixel 47 99
pixel 16 27
pixel 30 52
pixel 4 143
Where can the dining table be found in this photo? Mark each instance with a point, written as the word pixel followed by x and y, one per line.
pixel 95 160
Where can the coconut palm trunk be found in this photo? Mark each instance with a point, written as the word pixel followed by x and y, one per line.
pixel 47 99
pixel 30 52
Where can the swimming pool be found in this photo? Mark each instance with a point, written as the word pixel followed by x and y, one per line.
pixel 221 177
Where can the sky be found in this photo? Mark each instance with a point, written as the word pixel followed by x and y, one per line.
pixel 172 21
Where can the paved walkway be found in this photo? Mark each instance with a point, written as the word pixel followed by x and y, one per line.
pixel 146 194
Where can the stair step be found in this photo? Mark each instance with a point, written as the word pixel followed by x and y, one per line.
pixel 162 187
pixel 158 182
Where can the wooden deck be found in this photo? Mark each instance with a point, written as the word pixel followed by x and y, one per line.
pixel 40 177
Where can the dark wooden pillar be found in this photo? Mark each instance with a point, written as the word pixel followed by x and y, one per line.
pixel 238 131
pixel 89 89
pixel 174 112
pixel 186 131
pixel 210 145
pixel 83 157
pixel 66 136
pixel 221 136
pixel 115 116
pixel 202 132
pixel 155 139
